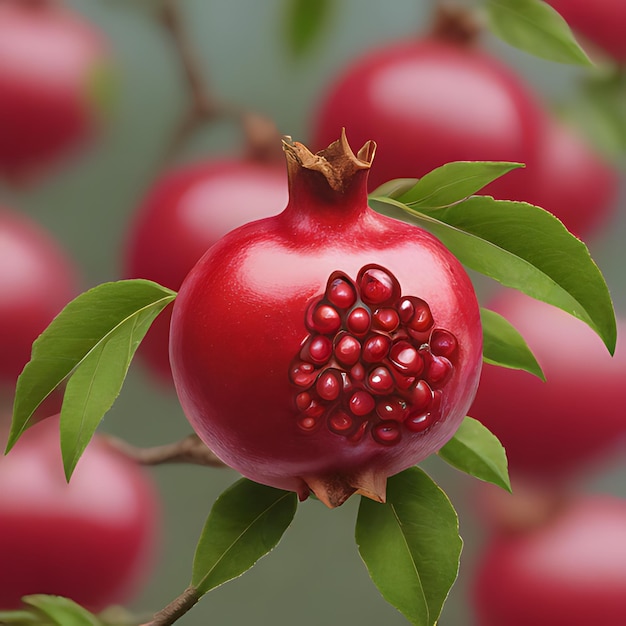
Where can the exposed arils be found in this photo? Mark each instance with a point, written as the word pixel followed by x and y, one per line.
pixel 374 361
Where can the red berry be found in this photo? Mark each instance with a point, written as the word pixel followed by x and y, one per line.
pixel 185 212
pixel 247 314
pixel 53 65
pixel 601 22
pixel 92 540
pixel 570 571
pixel 37 280
pixel 555 428
pixel 452 97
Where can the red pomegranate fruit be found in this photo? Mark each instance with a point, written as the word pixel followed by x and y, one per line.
pixel 37 279
pixel 184 213
pixel 552 430
pixel 602 22
pixel 440 91
pixel 572 180
pixel 53 65
pixel 92 540
pixel 328 347
pixel 571 571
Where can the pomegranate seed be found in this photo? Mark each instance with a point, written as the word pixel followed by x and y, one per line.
pixel 341 293
pixel 359 321
pixel 362 403
pixel 376 348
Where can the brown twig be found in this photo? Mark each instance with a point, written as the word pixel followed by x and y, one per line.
pixel 175 609
pixel 188 450
pixel 261 134
pixel 202 107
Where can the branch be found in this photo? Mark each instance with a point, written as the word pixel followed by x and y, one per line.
pixel 175 609
pixel 191 449
pixel 202 107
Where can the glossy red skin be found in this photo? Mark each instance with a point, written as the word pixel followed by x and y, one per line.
pixel 572 181
pixel 600 21
pixel 47 54
pixel 238 322
pixel 428 102
pixel 37 279
pixel 93 540
pixel 569 572
pixel 555 429
pixel 185 213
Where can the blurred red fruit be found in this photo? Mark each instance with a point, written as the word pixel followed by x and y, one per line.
pixel 185 212
pixel 603 22
pixel 37 280
pixel 92 540
pixel 551 430
pixel 54 70
pixel 571 571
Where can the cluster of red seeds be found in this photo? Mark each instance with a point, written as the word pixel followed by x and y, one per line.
pixel 374 360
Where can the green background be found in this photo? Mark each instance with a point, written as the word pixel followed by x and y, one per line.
pixel 315 576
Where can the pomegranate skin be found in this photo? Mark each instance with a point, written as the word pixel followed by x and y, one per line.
pixel 601 22
pixel 184 213
pixel 569 572
pixel 93 540
pixel 552 430
pixel 572 181
pixel 243 320
pixel 49 64
pixel 37 279
pixel 429 102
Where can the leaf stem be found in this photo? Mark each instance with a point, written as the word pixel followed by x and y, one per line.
pixel 188 450
pixel 176 609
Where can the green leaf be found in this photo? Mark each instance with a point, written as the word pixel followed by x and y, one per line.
pixel 92 340
pixel 411 545
pixel 62 611
pixel 504 346
pixel 305 22
pixel 453 182
pixel 476 451
pixel 536 28
pixel 524 247
pixel 245 523
pixel 21 616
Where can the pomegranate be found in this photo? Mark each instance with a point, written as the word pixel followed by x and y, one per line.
pixel 440 91
pixel 184 213
pixel 328 347
pixel 37 279
pixel 52 64
pixel 572 181
pixel 601 22
pixel 571 571
pixel 92 540
pixel 552 430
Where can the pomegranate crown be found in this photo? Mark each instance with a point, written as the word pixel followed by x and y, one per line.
pixel 337 163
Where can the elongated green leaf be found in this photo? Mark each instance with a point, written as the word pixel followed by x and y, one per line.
pixel 453 182
pixel 504 346
pixel 305 22
pixel 476 451
pixel 411 545
pixel 97 382
pixel 108 312
pixel 245 523
pixel 536 28
pixel 394 188
pixel 21 616
pixel 62 611
pixel 524 247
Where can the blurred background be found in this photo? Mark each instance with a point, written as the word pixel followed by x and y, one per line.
pixel 315 575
